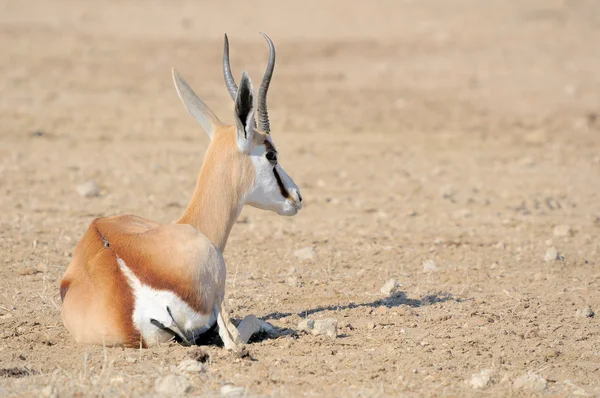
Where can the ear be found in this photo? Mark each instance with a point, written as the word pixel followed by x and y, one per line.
pixel 194 105
pixel 244 114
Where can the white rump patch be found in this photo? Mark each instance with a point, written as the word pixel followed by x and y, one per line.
pixel 155 304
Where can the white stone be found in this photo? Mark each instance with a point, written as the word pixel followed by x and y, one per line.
pixel 305 253
pixel 292 281
pixel 232 391
pixel 172 385
pixel 562 231
pixel 530 383
pixel 481 379
pixel 390 288
pixel 585 313
pixel 429 266
pixel 306 325
pixel 49 391
pixel 88 189
pixel 326 326
pixel 551 254
pixel 191 366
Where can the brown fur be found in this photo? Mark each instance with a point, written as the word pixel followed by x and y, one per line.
pixel 98 301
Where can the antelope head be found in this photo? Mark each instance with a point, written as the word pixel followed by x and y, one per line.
pixel 247 147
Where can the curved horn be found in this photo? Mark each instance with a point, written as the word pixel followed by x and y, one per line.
pixel 229 80
pixel 262 112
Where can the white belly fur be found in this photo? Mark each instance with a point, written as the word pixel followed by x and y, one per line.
pixel 151 303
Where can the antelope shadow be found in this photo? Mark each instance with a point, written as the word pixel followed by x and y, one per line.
pixel 212 336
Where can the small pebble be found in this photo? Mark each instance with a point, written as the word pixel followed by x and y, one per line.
pixel 88 189
pixel 172 385
pixel 481 379
pixel 390 288
pixel 42 267
pixel 382 310
pixel 232 391
pixel 531 383
pixel 191 366
pixel 562 231
pixel 306 325
pixel 305 253
pixel 292 281
pixel 326 326
pixel 537 137
pixel 49 391
pixel 551 254
pixel 27 271
pixel 429 266
pixel 585 313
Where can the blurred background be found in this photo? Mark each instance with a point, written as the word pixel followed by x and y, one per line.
pixel 453 145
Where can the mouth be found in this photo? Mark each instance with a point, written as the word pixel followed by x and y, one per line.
pixel 296 205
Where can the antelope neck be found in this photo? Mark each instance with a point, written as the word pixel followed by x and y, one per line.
pixel 218 197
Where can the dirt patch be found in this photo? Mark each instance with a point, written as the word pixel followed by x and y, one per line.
pixel 449 145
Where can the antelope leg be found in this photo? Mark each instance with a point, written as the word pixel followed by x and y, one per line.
pixel 233 331
pixel 225 334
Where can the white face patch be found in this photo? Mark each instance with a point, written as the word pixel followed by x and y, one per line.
pixel 165 307
pixel 273 188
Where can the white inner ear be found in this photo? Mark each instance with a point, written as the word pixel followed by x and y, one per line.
pixel 245 134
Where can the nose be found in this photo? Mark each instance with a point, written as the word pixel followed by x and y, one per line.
pixel 296 197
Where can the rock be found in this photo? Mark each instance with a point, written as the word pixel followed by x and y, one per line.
pixel 462 213
pixel 535 138
pixel 42 267
pixel 172 385
pixel 88 189
pixel 292 281
pixel 562 231
pixel 390 288
pixel 117 380
pixel 191 366
pixel 447 192
pixel 232 391
pixel 306 253
pixel 382 310
pixel 49 391
pixel 585 313
pixel 8 315
pixel 429 266
pixel 306 325
pixel 481 379
pixel 531 383
pixel 551 254
pixel 326 326
pixel 27 271
pixel 550 353
pixel 44 338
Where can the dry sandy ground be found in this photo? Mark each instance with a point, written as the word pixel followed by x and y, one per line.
pixel 436 142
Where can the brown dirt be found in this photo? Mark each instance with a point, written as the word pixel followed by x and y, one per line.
pixel 460 132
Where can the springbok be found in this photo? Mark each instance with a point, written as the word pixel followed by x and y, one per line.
pixel 135 282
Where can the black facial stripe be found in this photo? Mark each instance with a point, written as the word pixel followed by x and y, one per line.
pixel 270 147
pixel 282 189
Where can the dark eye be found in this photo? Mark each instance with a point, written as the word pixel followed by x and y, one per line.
pixel 271 157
